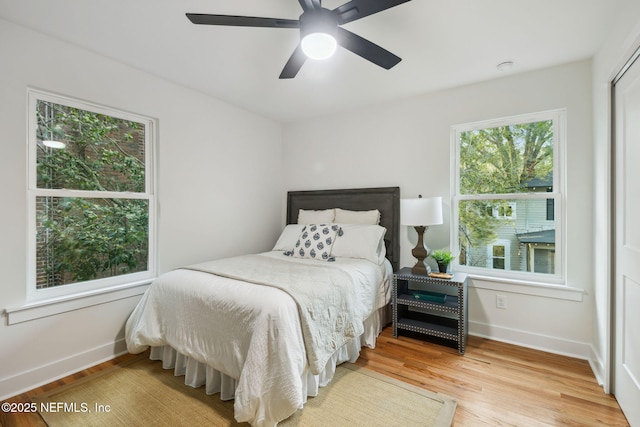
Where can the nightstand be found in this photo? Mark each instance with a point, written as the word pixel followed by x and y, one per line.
pixel 431 306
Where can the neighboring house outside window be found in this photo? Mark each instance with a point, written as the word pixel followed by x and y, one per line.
pixel 507 197
pixel 91 196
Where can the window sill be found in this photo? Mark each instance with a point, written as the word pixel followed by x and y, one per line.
pixel 526 288
pixel 50 307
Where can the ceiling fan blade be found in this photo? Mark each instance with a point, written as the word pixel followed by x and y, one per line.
pixel 310 4
pixel 242 21
pixel 294 63
pixel 356 9
pixel 364 48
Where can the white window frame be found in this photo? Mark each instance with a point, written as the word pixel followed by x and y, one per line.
pixel 559 131
pixel 106 285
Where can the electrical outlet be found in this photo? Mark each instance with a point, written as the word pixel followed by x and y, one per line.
pixel 501 301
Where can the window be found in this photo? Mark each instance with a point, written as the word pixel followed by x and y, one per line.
pixel 507 196
pixel 502 211
pixel 91 201
pixel 550 210
pixel 543 259
pixel 499 256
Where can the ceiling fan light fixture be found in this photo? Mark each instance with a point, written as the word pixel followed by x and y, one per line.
pixel 319 45
pixel 320 31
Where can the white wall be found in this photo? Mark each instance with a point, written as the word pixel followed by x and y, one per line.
pixel 407 143
pixel 219 179
pixel 608 61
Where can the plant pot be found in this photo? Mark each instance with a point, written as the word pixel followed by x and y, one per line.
pixel 442 267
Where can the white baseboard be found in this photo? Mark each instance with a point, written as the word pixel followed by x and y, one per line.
pixel 28 380
pixel 597 366
pixel 579 350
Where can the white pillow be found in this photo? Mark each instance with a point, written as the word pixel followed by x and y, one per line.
pixel 316 217
pixel 360 241
pixel 288 237
pixel 316 241
pixel 344 216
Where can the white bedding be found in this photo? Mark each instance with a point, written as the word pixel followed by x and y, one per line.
pixel 250 333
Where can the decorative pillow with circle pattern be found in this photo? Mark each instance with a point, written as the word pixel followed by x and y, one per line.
pixel 315 242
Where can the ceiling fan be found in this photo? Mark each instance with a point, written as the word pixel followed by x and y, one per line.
pixel 320 31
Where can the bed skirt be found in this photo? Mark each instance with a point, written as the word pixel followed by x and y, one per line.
pixel 198 374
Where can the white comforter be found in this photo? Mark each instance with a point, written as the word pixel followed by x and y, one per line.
pixel 249 332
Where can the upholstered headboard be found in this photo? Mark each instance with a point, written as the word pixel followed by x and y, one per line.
pixel 385 199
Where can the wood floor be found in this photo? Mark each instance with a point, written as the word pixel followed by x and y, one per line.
pixel 496 384
pixel 499 384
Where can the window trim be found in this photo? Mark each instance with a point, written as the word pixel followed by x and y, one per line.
pixel 105 285
pixel 559 118
pixel 39 309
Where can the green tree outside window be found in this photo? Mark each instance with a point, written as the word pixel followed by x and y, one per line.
pixel 85 238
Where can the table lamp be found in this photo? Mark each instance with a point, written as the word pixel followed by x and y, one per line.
pixel 421 213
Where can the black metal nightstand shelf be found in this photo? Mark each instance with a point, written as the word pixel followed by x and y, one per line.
pixel 447 320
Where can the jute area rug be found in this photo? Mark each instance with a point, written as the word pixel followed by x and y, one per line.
pixel 141 393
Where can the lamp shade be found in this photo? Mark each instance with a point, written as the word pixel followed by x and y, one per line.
pixel 416 212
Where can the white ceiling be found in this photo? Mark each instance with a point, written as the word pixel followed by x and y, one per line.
pixel 442 43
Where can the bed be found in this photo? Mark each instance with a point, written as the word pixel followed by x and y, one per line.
pixel 269 329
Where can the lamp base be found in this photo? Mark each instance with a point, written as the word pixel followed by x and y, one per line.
pixel 421 269
pixel 420 252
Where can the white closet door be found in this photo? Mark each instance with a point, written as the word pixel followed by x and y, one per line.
pixel 626 376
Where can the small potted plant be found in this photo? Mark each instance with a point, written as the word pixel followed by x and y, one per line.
pixel 443 258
